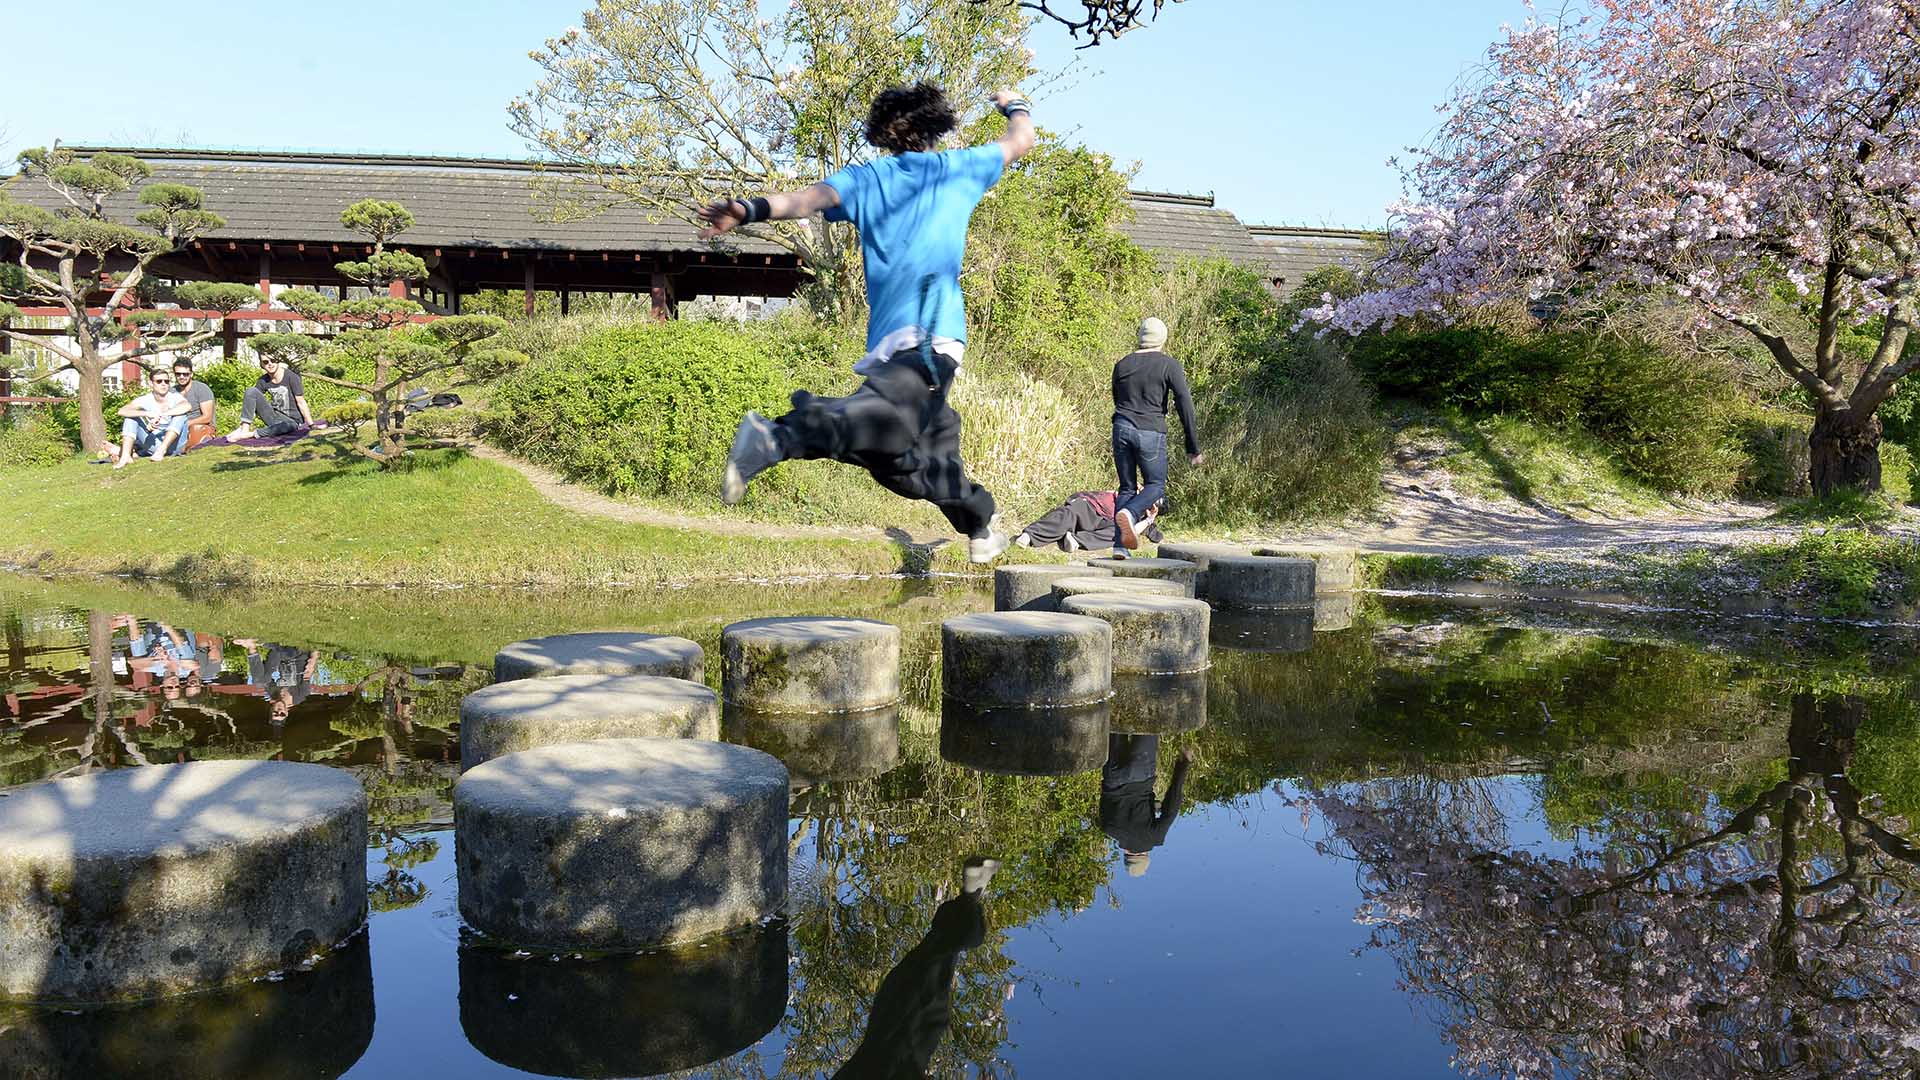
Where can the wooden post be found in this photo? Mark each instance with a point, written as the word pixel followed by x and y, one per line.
pixel 397 289
pixel 663 302
pixel 230 337
pixel 566 300
pixel 529 286
pixel 266 279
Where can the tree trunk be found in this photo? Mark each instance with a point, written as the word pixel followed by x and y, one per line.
pixel 91 396
pixel 1845 451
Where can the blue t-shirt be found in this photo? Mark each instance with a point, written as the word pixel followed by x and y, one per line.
pixel 912 212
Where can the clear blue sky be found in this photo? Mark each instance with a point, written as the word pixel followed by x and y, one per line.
pixel 1285 109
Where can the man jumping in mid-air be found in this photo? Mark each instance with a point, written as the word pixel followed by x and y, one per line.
pixel 911 208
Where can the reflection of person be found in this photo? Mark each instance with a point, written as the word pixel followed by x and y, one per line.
pixel 284 675
pixel 911 206
pixel 1127 810
pixel 1085 522
pixel 1143 380
pixel 912 1010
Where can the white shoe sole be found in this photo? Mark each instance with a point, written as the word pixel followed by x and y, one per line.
pixel 733 486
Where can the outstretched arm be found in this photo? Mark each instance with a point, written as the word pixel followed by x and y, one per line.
pixel 727 215
pixel 1019 138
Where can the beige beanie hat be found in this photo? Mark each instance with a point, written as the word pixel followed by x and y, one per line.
pixel 1153 333
pixel 1137 860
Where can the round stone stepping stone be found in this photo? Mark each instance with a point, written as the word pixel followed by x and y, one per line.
pixel 1282 630
pixel 1025 742
pixel 1335 611
pixel 1201 555
pixel 508 717
pixel 1334 569
pixel 1133 586
pixel 1255 582
pixel 817 749
pixel 1179 571
pixel 160 879
pixel 312 1023
pixel 662 1011
pixel 608 652
pixel 1026 659
pixel 813 664
pixel 1152 635
pixel 621 844
pixel 1030 588
pixel 1159 704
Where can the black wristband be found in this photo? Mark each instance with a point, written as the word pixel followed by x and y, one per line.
pixel 1014 106
pixel 754 209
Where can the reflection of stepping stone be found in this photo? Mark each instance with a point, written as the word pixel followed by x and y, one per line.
pixel 1030 588
pixel 1179 571
pixel 659 1012
pixel 1084 586
pixel 165 878
pixel 1152 635
pixel 835 746
pixel 1258 582
pixel 1201 556
pixel 1026 659
pixel 621 844
pixel 1286 630
pixel 1159 704
pixel 611 652
pixel 1025 742
pixel 1335 611
pixel 1333 568
pixel 814 664
pixel 508 717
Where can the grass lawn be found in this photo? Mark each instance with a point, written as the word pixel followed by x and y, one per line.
pixel 305 515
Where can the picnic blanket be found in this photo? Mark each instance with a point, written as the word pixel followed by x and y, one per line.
pixel 260 442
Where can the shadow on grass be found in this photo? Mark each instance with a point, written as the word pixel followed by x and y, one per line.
pixel 1475 442
pixel 915 558
pixel 415 462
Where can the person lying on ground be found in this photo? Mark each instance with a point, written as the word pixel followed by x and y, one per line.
pixel 276 403
pixel 1143 380
pixel 911 207
pixel 199 399
pixel 1085 522
pixel 151 423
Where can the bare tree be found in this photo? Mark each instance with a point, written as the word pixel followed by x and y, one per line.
pixel 1097 19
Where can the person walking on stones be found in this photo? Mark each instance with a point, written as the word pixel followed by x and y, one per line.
pixel 1143 380
pixel 911 208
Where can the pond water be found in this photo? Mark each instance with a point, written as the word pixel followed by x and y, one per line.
pixel 1444 840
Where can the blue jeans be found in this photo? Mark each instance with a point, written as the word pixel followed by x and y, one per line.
pixel 1139 456
pixel 146 440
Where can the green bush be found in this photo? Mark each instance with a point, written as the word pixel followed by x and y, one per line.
pixel 645 408
pixel 229 379
pixel 452 425
pixel 1776 455
pixel 349 414
pixel 1896 473
pixel 38 441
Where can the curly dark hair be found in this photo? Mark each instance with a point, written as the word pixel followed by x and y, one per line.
pixel 909 118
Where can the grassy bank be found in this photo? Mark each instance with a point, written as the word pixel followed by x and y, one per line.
pixel 307 515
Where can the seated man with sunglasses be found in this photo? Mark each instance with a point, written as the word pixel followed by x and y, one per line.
pixel 152 423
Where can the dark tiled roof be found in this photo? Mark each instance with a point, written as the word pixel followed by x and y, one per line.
pixel 455 202
pixel 1293 253
pixel 1175 225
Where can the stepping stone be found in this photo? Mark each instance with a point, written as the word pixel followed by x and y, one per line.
pixel 817 749
pixel 1335 611
pixel 1030 588
pixel 815 664
pixel 1132 586
pixel 1333 568
pixel 508 717
pixel 1201 556
pixel 621 844
pixel 161 879
pixel 1259 582
pixel 1179 571
pixel 1284 630
pixel 1025 742
pixel 1026 659
pixel 1159 704
pixel 662 1011
pixel 611 652
pixel 1152 635
pixel 314 1023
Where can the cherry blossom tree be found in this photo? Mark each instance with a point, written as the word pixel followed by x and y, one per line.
pixel 1758 158
pixel 1771 939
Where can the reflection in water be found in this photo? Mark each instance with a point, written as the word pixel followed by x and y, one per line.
pixel 1159 704
pixel 311 1025
pixel 1024 742
pixel 1128 812
pixel 1774 935
pixel 1281 631
pixel 640 1015
pixel 914 1006
pixel 821 749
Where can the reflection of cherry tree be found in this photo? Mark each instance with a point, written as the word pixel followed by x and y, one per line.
pixel 1775 940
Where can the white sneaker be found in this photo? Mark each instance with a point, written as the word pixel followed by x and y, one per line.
pixel 755 449
pixel 1023 540
pixel 985 549
pixel 1118 553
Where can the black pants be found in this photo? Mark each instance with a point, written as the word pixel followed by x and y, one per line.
pixel 914 1007
pixel 899 427
pixel 258 409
